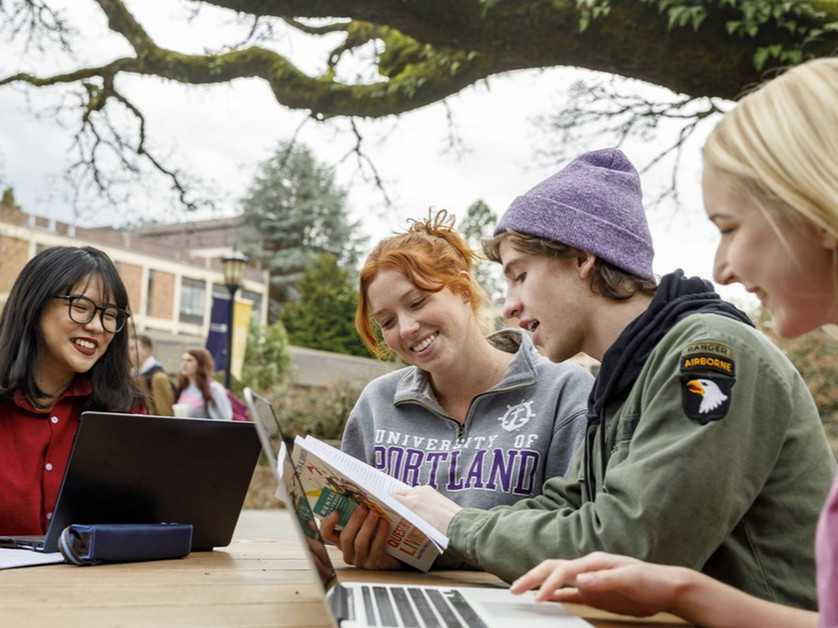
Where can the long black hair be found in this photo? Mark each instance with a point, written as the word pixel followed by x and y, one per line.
pixel 56 271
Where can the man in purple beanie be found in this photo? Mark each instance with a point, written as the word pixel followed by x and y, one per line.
pixel 697 424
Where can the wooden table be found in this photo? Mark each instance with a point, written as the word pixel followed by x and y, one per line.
pixel 249 583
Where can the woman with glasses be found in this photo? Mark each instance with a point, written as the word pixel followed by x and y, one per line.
pixel 63 350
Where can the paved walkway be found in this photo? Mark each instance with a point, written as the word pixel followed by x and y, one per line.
pixel 267 523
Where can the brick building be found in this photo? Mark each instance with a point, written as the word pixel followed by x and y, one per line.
pixel 170 278
pixel 171 272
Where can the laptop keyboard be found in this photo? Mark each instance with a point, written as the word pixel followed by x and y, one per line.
pixel 417 607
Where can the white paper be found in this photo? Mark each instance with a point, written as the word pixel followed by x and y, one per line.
pixel 10 558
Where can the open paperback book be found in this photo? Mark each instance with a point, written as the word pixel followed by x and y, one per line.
pixel 333 480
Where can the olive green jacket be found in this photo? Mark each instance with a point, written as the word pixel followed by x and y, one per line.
pixel 737 497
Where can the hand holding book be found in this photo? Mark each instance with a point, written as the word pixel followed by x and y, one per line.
pixel 336 482
pixel 363 540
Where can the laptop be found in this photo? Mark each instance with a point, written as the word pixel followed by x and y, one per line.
pixel 357 604
pixel 136 468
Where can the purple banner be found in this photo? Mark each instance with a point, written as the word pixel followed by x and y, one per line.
pixel 218 330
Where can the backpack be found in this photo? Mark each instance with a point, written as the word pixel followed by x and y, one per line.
pixel 239 408
pixel 151 373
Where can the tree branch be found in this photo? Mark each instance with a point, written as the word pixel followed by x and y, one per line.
pixel 468 46
pixel 364 162
pixel 422 51
pixel 37 23
pixel 616 112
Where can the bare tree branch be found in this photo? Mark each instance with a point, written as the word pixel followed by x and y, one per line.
pixel 615 111
pixel 99 142
pixel 364 162
pixel 454 141
pixel 37 24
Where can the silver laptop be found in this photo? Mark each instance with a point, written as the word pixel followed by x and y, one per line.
pixel 135 468
pixel 387 605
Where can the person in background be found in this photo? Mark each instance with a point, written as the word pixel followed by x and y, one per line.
pixel 63 350
pixel 484 420
pixel 154 382
pixel 771 188
pixel 197 389
pixel 697 423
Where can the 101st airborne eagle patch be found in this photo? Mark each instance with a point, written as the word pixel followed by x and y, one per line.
pixel 708 373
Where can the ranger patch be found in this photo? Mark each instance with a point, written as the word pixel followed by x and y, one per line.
pixel 707 372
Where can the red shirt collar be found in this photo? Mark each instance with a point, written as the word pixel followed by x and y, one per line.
pixel 79 387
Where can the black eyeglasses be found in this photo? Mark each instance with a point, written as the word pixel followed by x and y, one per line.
pixel 82 310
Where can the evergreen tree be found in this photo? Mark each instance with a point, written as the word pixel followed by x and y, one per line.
pixel 8 199
pixel 478 224
pixel 293 212
pixel 323 316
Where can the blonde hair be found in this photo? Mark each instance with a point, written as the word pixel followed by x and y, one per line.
pixel 432 256
pixel 780 143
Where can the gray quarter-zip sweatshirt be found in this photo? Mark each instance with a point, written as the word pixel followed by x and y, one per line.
pixel 516 435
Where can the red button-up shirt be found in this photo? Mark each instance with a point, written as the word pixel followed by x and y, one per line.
pixel 34 449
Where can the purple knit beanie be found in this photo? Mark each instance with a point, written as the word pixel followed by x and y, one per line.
pixel 593 204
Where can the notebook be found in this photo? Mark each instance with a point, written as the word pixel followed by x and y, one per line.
pixel 136 468
pixel 354 605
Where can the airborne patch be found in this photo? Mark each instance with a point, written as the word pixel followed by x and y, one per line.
pixel 707 372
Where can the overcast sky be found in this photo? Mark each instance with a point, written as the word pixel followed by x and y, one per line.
pixel 222 133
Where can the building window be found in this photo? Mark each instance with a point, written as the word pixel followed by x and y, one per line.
pixel 192 298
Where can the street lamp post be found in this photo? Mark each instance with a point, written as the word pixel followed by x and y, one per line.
pixel 234 266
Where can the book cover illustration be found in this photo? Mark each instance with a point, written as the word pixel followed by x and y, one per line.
pixel 334 481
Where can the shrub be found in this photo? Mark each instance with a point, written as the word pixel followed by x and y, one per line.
pixel 319 412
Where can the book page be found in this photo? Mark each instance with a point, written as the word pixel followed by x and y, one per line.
pixel 348 474
pixel 371 477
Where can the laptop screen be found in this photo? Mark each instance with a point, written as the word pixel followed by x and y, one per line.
pixel 291 489
pixel 267 425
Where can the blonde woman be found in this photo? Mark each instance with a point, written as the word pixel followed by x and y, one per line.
pixel 771 187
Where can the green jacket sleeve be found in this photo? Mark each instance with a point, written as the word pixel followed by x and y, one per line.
pixel 675 491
